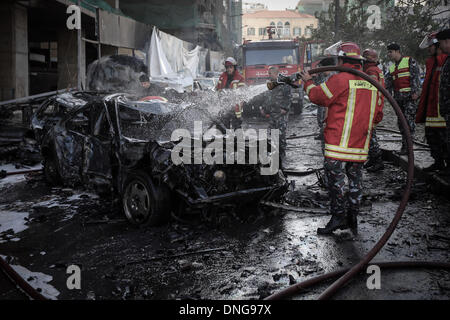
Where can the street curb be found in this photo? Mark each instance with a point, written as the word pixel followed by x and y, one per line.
pixel 437 183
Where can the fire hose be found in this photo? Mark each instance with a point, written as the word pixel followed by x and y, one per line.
pixel 295 288
pixel 20 282
pixel 347 274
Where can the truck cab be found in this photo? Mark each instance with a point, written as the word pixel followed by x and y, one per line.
pixel 259 56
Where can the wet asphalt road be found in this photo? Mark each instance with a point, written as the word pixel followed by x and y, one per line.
pixel 246 255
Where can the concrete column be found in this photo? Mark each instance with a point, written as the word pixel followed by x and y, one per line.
pixel 13 51
pixel 68 61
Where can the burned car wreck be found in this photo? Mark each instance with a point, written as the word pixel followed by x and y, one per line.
pixel 116 145
pixel 55 108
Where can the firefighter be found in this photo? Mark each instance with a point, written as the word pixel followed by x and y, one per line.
pixel 352 112
pixel 428 111
pixel 403 78
pixel 231 78
pixel 375 162
pixel 274 105
pixel 444 87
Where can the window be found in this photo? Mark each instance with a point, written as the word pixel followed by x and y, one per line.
pixel 287 29
pixel 308 31
pixel 279 28
pixel 101 127
pixel 272 56
pixel 297 31
pixel 250 31
pixel 80 122
pixel 262 31
pixel 50 109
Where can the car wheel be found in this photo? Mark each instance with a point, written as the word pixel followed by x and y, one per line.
pixel 51 171
pixel 143 203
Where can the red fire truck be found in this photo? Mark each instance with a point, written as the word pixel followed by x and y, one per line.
pixel 288 55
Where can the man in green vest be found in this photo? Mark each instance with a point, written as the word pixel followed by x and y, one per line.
pixel 403 79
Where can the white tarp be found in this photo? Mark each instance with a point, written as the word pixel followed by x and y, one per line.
pixel 191 59
pixel 179 70
pixel 159 65
pixel 173 48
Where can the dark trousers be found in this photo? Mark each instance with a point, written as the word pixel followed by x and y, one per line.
pixel 280 122
pixel 437 140
pixel 374 147
pixel 336 171
pixel 409 109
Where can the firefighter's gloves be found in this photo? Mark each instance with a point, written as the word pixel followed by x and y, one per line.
pixel 304 75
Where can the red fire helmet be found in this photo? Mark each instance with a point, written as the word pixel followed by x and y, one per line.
pixel 370 55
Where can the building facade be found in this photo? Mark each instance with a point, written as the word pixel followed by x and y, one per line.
pixel 288 24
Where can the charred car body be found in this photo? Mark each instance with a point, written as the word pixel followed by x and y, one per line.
pixel 55 108
pixel 119 146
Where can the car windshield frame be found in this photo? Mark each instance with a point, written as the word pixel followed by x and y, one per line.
pixel 152 116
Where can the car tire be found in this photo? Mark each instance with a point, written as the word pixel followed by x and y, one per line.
pixel 51 171
pixel 143 202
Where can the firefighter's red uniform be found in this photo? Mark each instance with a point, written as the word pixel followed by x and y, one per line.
pixel 375 162
pixel 428 110
pixel 236 82
pixel 372 70
pixel 353 110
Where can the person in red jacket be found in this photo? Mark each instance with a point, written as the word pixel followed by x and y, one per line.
pixel 231 78
pixel 375 162
pixel 353 110
pixel 428 111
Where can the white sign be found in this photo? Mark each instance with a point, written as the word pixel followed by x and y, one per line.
pixel 74 280
pixel 74 20
pixel 374 20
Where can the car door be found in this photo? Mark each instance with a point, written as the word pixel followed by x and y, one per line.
pixel 97 150
pixel 70 138
pixel 45 118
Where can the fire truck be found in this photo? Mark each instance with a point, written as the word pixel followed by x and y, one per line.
pixel 289 55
